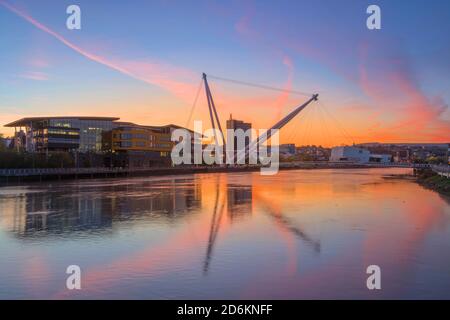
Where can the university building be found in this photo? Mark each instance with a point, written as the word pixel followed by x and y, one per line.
pixel 47 134
pixel 116 144
pixel 132 145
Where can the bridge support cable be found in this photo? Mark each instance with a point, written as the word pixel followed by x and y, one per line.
pixel 324 130
pixel 308 116
pixel 299 128
pixel 277 126
pixel 261 86
pixel 339 126
pixel 191 113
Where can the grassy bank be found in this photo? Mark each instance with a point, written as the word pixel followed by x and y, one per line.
pixel 434 181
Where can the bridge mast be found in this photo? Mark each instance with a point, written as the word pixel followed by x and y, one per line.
pixel 212 109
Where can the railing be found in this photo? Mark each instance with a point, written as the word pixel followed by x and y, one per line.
pixel 56 171
pixel 72 171
pixel 400 165
pixel 97 170
pixel 442 170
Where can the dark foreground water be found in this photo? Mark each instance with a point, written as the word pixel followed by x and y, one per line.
pixel 299 234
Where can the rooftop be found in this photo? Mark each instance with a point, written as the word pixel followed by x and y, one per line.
pixel 25 121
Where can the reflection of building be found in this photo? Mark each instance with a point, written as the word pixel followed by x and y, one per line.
pixel 43 134
pixel 55 211
pixel 234 124
pixel 239 200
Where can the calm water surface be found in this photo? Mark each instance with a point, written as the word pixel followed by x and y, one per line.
pixel 299 234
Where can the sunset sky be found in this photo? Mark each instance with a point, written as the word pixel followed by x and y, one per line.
pixel 142 61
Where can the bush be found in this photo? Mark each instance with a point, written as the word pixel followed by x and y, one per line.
pixel 22 160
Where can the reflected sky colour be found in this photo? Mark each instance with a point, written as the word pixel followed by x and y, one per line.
pixel 298 234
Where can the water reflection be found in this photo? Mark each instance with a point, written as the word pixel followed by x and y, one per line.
pixel 65 208
pixel 300 234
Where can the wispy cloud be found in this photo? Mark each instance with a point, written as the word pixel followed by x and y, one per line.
pixel 38 62
pixel 151 72
pixel 34 75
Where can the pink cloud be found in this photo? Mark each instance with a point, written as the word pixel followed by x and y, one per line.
pixel 283 98
pixel 399 107
pixel 38 62
pixel 387 78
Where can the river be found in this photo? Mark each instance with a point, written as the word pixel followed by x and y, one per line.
pixel 298 234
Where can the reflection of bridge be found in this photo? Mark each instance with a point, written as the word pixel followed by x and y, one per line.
pixel 281 220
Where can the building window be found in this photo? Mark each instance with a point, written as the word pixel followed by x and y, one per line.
pixel 140 144
pixel 126 144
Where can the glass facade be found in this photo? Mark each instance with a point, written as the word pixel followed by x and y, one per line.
pixel 91 131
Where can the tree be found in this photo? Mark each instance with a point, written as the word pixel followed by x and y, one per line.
pixel 2 143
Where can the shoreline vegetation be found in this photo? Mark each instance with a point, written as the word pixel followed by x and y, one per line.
pixel 433 181
pixel 426 178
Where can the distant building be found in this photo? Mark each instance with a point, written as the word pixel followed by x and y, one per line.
pixel 238 124
pixel 350 154
pixel 46 134
pixel 287 149
pixel 448 153
pixel 357 155
pixel 312 153
pixel 380 158
pixel 402 155
pixel 409 152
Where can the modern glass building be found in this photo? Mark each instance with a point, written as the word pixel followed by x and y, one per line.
pixel 45 134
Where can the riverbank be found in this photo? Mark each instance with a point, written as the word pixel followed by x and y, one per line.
pixel 23 175
pixel 431 180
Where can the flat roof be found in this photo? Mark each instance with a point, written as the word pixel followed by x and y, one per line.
pixel 156 128
pixel 25 121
